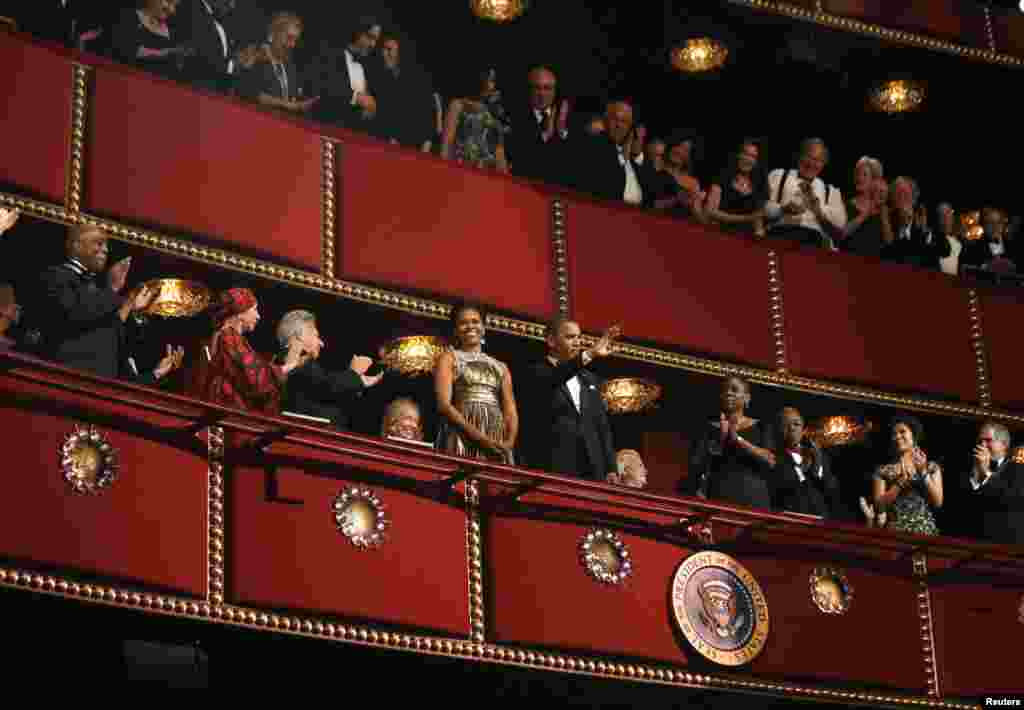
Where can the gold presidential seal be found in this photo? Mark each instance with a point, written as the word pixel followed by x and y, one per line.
pixel 720 609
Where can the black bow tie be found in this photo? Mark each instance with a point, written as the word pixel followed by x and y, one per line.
pixel 993 466
pixel 355 59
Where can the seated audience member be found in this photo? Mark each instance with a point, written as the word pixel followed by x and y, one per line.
pixel 732 458
pixel 402 420
pixel 631 470
pixel 654 154
pixel 273 79
pixel 909 487
pixel 946 219
pixel 10 313
pixel 865 234
pixel 675 188
pixel 992 252
pixel 994 490
pixel 912 241
pixel 566 427
pixel 873 518
pixel 806 209
pixel 537 142
pixel 343 81
pixel 142 37
pixel 406 112
pixel 311 389
pixel 737 196
pixel 214 39
pixel 604 165
pixel 474 392
pixel 235 375
pixel 8 218
pixel 84 320
pixel 804 482
pixel 475 127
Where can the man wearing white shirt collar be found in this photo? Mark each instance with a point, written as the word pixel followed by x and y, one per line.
pixel 536 145
pixel 996 488
pixel 913 241
pixel 344 84
pixel 807 209
pixel 611 165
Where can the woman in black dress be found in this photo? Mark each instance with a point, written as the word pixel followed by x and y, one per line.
pixel 737 197
pixel 676 190
pixel 866 232
pixel 143 37
pixel 732 458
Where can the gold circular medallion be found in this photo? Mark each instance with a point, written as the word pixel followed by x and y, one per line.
pixel 831 591
pixel 88 462
pixel 605 557
pixel 720 609
pixel 359 515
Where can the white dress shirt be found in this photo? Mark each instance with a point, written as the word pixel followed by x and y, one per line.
pixel 223 37
pixel 988 475
pixel 633 194
pixel 356 76
pixel 951 264
pixel 833 208
pixel 573 383
pixel 997 248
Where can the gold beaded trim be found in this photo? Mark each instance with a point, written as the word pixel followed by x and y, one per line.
pixel 819 17
pixel 76 144
pixel 330 162
pixel 215 524
pixel 924 615
pixel 474 557
pixel 777 312
pixel 558 229
pixel 433 309
pixel 978 345
pixel 453 648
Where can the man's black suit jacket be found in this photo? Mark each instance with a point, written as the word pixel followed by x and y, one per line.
pixel 995 512
pixel 817 494
pixel 978 253
pixel 330 81
pixel 208 66
pixel 917 250
pixel 313 390
pixel 82 327
pixel 530 156
pixel 596 170
pixel 555 433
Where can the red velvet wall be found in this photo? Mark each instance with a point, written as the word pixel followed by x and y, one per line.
pixel 205 165
pixel 670 282
pixel 1000 312
pixel 149 527
pixel 293 557
pixel 411 220
pixel 877 324
pixel 35 123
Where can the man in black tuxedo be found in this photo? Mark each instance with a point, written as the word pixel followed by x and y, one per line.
pixel 406 112
pixel 606 166
pixel 311 389
pixel 995 251
pixel 84 321
pixel 537 145
pixel 994 489
pixel 210 36
pixel 567 429
pixel 804 482
pixel 343 79
pixel 913 241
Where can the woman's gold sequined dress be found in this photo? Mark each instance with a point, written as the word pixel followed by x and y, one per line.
pixel 476 393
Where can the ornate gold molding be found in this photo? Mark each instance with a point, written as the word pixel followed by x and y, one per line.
pixel 978 345
pixel 469 650
pixel 924 615
pixel 76 143
pixel 777 312
pixel 215 524
pixel 511 326
pixel 474 559
pixel 847 24
pixel 328 209
pixel 560 251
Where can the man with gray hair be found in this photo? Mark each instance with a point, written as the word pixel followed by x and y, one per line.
pixel 995 488
pixel 910 237
pixel 806 209
pixel 312 390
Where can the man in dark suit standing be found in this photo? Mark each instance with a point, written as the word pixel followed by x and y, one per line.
pixel 212 66
pixel 567 429
pixel 994 489
pixel 84 320
pixel 537 144
pixel 804 482
pixel 313 390
pixel 343 81
pixel 607 166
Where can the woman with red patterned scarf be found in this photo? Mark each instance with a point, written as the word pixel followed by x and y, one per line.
pixel 235 374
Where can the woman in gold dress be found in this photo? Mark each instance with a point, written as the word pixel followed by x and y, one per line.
pixel 474 395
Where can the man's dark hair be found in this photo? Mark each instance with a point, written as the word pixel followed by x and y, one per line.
pixel 363 25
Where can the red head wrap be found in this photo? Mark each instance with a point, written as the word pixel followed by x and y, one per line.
pixel 231 303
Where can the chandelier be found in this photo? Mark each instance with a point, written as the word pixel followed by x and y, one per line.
pixel 700 54
pixel 838 431
pixel 897 96
pixel 970 226
pixel 498 10
pixel 630 395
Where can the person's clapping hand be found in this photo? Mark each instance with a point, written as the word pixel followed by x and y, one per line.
pixel 170 362
pixel 118 274
pixel 360 364
pixel 296 357
pixel 605 346
pixel 142 298
pixel 7 219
